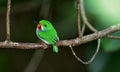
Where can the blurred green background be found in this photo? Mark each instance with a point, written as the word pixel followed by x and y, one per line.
pixel 62 13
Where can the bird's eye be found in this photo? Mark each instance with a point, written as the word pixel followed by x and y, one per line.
pixel 45 25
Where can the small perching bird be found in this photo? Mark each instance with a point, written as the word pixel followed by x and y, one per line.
pixel 47 33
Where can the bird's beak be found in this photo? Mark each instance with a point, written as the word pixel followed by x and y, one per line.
pixel 40 27
pixel 35 22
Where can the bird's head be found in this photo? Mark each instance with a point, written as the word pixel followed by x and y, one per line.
pixel 44 25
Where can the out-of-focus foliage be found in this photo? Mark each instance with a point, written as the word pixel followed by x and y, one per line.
pixel 106 13
pixel 102 14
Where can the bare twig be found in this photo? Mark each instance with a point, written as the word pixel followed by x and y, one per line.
pixel 83 29
pixel 85 20
pixel 78 18
pixel 90 37
pixel 72 42
pixel 8 20
pixel 92 58
pixel 82 32
pixel 113 37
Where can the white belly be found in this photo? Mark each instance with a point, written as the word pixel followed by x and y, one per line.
pixel 40 37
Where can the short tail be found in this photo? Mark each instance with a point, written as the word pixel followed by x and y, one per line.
pixel 55 48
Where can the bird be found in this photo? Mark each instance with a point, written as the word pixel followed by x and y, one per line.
pixel 47 33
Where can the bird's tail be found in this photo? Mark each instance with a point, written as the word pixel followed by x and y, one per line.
pixel 55 48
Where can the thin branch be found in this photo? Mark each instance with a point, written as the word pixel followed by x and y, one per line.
pixel 78 18
pixel 90 37
pixel 82 32
pixel 113 37
pixel 85 20
pixel 92 58
pixel 72 42
pixel 83 29
pixel 8 20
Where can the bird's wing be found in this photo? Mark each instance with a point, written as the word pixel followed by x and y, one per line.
pixel 49 36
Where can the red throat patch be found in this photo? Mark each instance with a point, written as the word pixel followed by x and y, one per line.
pixel 39 27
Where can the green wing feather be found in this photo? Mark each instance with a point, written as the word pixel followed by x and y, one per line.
pixel 51 37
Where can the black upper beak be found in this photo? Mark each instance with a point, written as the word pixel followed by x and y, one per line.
pixel 35 22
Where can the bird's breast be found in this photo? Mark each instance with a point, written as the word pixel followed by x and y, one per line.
pixel 39 36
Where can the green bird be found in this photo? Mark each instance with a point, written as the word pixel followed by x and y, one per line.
pixel 47 33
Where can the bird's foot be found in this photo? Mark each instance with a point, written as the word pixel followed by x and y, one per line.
pixel 44 45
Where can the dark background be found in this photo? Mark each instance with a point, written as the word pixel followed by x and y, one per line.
pixel 63 15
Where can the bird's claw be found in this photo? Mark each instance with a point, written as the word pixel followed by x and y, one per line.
pixel 44 45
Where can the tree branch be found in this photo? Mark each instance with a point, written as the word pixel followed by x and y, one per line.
pixel 8 20
pixel 113 37
pixel 73 42
pixel 78 18
pixel 85 20
pixel 90 37
pixel 87 23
